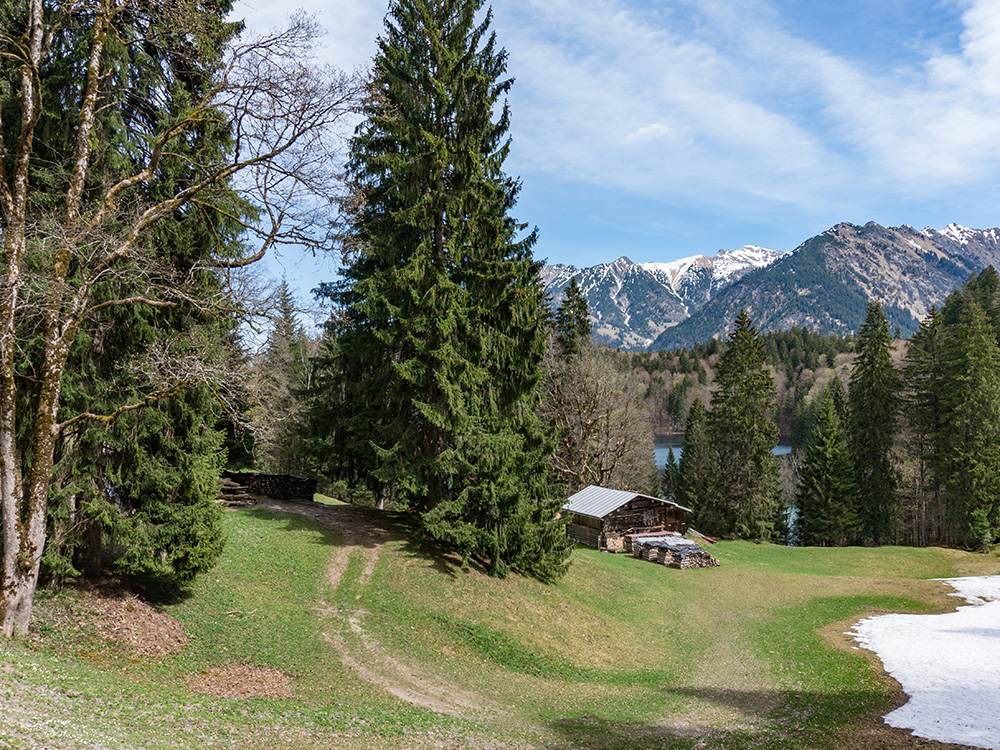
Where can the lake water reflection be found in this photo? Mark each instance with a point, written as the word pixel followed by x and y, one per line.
pixel 661 448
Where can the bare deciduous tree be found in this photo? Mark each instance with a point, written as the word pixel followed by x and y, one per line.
pixel 603 427
pixel 281 114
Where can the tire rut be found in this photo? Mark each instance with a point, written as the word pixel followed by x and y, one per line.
pixel 364 532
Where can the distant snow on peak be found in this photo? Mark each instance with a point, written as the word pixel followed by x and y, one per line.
pixel 749 257
pixel 964 235
pixel 632 303
pixel 958 233
pixel 672 272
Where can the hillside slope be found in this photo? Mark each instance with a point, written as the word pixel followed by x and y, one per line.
pixel 386 644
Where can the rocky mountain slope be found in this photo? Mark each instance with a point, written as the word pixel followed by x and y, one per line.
pixel 827 282
pixel 824 285
pixel 633 303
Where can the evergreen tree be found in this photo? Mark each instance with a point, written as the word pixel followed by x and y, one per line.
pixel 873 400
pixel 827 494
pixel 696 470
pixel 120 127
pixel 671 475
pixel 282 374
pixel 838 395
pixel 742 429
pixel 970 444
pixel 138 497
pixel 440 355
pixel 923 406
pixel 572 321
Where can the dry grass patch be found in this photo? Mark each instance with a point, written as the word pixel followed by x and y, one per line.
pixel 116 616
pixel 241 681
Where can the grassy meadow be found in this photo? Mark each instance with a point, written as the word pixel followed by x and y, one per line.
pixel 388 646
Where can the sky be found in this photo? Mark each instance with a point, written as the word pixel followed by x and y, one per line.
pixel 661 129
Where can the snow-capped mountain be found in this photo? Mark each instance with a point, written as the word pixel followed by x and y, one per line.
pixel 828 281
pixel 632 303
pixel 824 285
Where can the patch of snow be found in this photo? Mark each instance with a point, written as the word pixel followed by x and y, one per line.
pixel 731 262
pixel 558 275
pixel 947 664
pixel 670 274
pixel 958 233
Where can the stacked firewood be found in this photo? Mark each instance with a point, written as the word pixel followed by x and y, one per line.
pixel 274 486
pixel 671 549
pixel 233 494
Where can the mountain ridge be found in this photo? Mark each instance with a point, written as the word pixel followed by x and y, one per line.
pixel 632 303
pixel 824 284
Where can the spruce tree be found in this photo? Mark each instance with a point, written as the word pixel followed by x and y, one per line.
pixel 827 494
pixel 743 432
pixel 923 407
pixel 138 497
pixel 873 399
pixel 282 373
pixel 572 321
pixel 671 475
pixel 838 394
pixel 970 445
pixel 696 470
pixel 440 354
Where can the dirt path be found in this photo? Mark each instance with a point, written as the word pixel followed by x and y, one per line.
pixel 363 532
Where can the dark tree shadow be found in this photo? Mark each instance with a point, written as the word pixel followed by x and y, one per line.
pixel 777 719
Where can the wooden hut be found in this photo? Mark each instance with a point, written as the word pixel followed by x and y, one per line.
pixel 601 517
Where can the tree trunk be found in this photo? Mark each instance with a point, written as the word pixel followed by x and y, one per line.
pixel 87 558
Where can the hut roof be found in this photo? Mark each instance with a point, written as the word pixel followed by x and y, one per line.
pixel 597 502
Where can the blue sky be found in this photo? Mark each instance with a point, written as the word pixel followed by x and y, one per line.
pixel 663 129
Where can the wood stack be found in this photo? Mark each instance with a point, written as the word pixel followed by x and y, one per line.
pixel 671 550
pixel 232 493
pixel 274 486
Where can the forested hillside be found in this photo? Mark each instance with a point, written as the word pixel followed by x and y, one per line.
pixel 800 360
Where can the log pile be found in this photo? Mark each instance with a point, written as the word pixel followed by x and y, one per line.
pixel 273 486
pixel 232 494
pixel 671 550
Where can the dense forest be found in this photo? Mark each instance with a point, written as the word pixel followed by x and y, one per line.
pixel 905 453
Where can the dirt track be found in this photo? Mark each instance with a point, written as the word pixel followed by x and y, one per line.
pixel 363 532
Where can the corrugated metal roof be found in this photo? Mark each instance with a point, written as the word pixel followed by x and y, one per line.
pixel 597 502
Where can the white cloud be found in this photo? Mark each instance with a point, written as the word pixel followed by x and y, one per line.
pixel 714 101
pixel 656 131
pixel 753 111
pixel 587 94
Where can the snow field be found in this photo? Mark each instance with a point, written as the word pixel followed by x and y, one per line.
pixel 948 664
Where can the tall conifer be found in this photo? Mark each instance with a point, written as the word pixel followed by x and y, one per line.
pixel 743 433
pixel 572 321
pixel 827 495
pixel 138 497
pixel 696 469
pixel 923 407
pixel 873 399
pixel 442 348
pixel 970 446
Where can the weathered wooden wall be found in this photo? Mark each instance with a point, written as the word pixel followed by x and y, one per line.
pixel 644 514
pixel 584 530
pixel 639 515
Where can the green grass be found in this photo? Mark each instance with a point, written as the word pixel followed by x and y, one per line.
pixel 619 654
